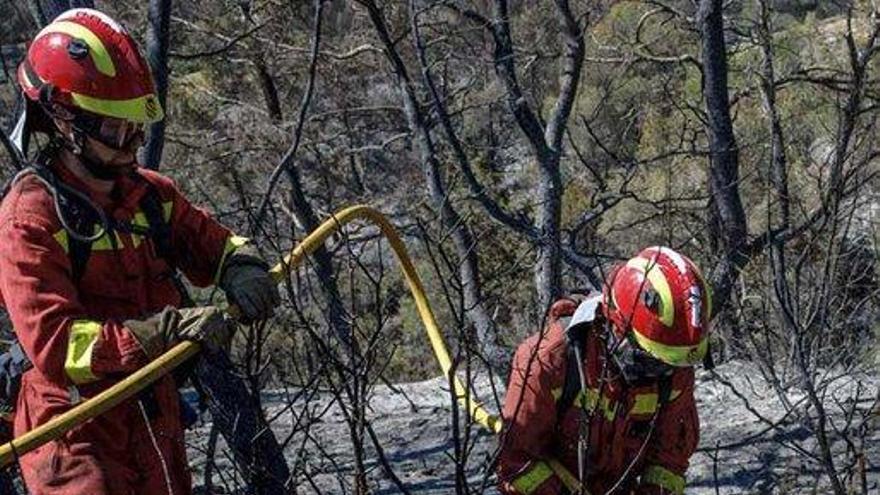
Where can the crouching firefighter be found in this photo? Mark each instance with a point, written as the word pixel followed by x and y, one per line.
pixel 88 266
pixel 604 396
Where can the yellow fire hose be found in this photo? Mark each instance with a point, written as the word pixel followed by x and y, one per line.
pixel 180 353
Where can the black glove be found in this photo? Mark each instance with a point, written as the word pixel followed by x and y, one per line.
pixel 248 285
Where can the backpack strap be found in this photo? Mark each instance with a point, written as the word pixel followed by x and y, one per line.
pixel 79 253
pixel 571 385
pixel 159 232
pixel 576 328
pixel 81 218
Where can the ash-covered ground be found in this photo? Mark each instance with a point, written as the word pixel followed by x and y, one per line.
pixel 740 452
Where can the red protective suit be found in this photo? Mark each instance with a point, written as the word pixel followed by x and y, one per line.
pixel 617 431
pixel 74 336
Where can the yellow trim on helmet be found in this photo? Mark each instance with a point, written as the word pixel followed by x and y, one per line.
pixel 81 341
pixel 100 56
pixel 142 110
pixel 658 281
pixel 675 355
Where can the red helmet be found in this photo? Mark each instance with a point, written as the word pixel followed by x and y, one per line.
pixel 660 300
pixel 84 60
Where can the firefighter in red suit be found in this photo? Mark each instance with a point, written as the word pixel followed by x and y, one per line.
pixel 90 92
pixel 629 424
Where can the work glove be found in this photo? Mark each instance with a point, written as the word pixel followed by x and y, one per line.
pixel 248 285
pixel 206 325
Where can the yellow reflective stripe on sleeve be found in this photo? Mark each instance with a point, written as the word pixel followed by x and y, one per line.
pixel 661 285
pixel 647 403
pixel 232 243
pixel 664 478
pixel 80 343
pixel 532 478
pixel 100 56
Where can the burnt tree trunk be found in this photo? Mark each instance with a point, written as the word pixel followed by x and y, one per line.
pixel 38 13
pixel 158 34
pixel 43 11
pixel 270 90
pixel 257 454
pixel 465 244
pixel 724 154
pixel 546 141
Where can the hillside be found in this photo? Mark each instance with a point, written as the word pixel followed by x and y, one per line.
pixel 739 453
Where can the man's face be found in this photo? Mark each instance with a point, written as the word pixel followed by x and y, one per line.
pixel 636 364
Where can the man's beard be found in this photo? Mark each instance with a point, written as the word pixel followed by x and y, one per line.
pixel 124 161
pixel 108 170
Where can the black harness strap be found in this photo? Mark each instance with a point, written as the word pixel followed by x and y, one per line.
pixel 81 218
pixel 159 233
pixel 571 385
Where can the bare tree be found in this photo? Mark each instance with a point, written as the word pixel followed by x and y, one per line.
pixel 465 244
pixel 44 11
pixel 724 167
pixel 158 39
pixel 545 139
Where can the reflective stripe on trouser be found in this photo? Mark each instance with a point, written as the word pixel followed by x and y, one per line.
pixel 532 477
pixel 80 344
pixel 664 478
